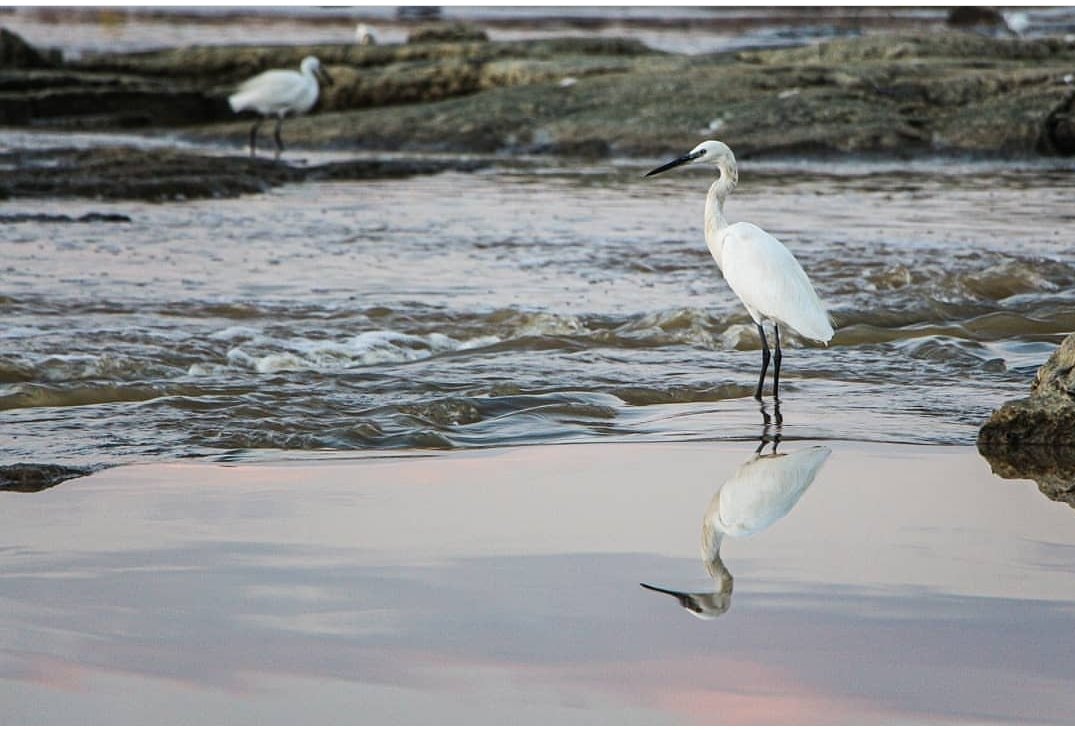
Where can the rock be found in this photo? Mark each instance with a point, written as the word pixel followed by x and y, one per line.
pixel 55 218
pixel 1052 467
pixel 447 33
pixel 1058 131
pixel 126 173
pixel 23 477
pixel 899 95
pixel 977 18
pixel 1047 417
pixel 64 99
pixel 1034 438
pixel 17 53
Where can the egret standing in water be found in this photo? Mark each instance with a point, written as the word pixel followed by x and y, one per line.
pixel 760 270
pixel 279 93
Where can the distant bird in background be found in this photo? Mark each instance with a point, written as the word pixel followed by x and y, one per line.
pixel 760 270
pixel 365 35
pixel 279 93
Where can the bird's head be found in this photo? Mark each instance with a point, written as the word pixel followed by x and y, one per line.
pixel 705 606
pixel 709 152
pixel 311 65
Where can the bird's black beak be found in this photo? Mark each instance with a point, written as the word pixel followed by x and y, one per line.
pixel 690 156
pixel 324 78
pixel 687 600
pixel 660 590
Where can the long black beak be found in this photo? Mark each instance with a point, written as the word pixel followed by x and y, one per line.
pixel 666 591
pixel 323 76
pixel 675 163
pixel 687 600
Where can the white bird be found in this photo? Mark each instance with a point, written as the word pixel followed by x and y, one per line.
pixel 762 490
pixel 280 93
pixel 1017 22
pixel 760 270
pixel 365 35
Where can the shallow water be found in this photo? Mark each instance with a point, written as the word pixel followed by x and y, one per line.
pixel 904 585
pixel 524 304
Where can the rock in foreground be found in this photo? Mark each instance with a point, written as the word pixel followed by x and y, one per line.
pixel 1047 417
pixel 23 477
pixel 1034 438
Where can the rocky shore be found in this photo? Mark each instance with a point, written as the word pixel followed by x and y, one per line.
pixel 940 93
pixel 1034 437
pixel 162 174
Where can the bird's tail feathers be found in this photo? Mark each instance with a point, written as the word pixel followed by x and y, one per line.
pixel 818 327
pixel 240 100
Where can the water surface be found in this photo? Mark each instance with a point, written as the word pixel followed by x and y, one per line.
pixel 532 304
pixel 907 585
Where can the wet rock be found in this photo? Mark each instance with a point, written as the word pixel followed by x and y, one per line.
pixel 969 17
pixel 125 173
pixel 189 86
pixel 66 99
pixel 17 53
pixel 955 93
pixel 1051 466
pixel 1034 438
pixel 447 33
pixel 24 477
pixel 941 93
pixel 52 218
pixel 1058 132
pixel 1045 419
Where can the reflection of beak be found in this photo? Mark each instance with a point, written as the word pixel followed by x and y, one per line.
pixel 675 163
pixel 324 78
pixel 685 599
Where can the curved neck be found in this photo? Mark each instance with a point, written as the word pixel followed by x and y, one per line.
pixel 715 222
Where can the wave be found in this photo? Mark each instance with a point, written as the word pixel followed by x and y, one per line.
pixel 369 348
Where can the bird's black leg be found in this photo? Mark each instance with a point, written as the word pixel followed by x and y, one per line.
pixel 276 137
pixel 764 362
pixel 254 137
pixel 769 434
pixel 776 362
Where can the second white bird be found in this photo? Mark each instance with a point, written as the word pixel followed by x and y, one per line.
pixel 280 93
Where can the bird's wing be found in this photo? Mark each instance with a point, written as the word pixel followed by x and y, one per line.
pixel 269 91
pixel 766 488
pixel 770 281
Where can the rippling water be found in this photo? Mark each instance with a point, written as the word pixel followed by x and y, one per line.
pixel 523 305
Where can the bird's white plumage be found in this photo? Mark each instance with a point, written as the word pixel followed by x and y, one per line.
pixel 279 92
pixel 763 490
pixel 761 271
pixel 365 35
pixel 769 280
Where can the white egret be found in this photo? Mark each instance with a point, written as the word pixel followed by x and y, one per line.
pixel 760 270
pixel 278 93
pixel 763 490
pixel 365 35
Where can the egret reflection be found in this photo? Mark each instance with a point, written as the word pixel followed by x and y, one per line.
pixel 765 488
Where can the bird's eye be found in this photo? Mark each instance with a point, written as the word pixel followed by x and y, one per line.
pixel 702 152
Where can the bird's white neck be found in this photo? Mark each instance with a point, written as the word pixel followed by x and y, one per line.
pixel 715 222
pixel 711 540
